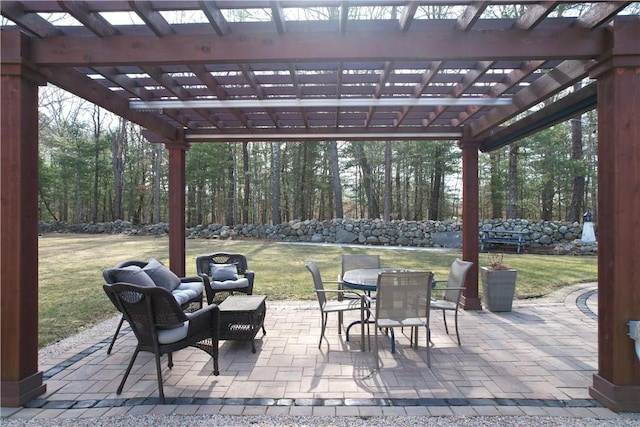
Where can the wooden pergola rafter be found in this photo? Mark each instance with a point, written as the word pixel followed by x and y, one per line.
pixel 363 50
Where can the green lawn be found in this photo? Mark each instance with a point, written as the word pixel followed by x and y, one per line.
pixel 70 271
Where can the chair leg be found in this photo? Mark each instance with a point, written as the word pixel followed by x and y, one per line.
pixel 324 326
pixel 428 346
pixel 375 343
pixel 393 341
pixel 444 317
pixel 214 356
pixel 457 333
pixel 115 336
pixel 159 373
pixel 170 358
pixel 340 317
pixel 126 373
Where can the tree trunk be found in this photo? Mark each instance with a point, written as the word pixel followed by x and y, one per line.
pixel 231 189
pixel 495 181
pixel 336 182
pixel 157 180
pixel 577 190
pixel 275 206
pixel 117 149
pixel 512 206
pixel 247 182
pixel 367 180
pixel 547 199
pixel 434 199
pixel 96 159
pixel 387 181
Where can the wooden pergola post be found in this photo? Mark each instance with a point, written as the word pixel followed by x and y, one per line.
pixel 470 216
pixel 177 233
pixel 21 380
pixel 617 383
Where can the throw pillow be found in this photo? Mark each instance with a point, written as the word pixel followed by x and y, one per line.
pixel 161 275
pixel 133 275
pixel 222 272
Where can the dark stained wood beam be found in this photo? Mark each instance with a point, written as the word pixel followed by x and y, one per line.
pixel 569 106
pixel 471 15
pixel 344 15
pixel 534 15
pixel 572 43
pixel 319 134
pixel 469 79
pixel 82 86
pixel 384 77
pixel 30 22
pixel 278 16
pixel 600 13
pixel 564 75
pixel 152 18
pixel 425 80
pixel 125 82
pixel 408 13
pixel 295 80
pixel 93 21
pixel 213 85
pixel 215 17
pixel 252 80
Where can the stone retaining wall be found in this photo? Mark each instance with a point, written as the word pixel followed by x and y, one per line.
pixel 446 234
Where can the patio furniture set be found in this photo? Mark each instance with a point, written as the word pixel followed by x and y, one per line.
pixel 389 298
pixel 166 312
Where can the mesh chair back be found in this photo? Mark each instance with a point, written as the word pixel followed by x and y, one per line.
pixel 353 262
pixel 456 279
pixel 403 294
pixel 317 283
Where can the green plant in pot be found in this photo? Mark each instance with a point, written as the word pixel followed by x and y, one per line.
pixel 498 284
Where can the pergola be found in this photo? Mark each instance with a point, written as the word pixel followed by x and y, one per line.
pixel 206 71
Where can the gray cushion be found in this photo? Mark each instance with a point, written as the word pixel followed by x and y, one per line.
pixel 222 272
pixel 183 297
pixel 133 275
pixel 169 336
pixel 195 287
pixel 161 275
pixel 230 284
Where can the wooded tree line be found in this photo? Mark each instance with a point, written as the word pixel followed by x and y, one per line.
pixel 95 167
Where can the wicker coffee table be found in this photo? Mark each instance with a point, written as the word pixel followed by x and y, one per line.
pixel 241 316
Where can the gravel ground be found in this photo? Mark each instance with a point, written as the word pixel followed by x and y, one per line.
pixel 302 421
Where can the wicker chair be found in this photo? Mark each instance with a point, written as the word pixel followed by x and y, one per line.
pixel 161 326
pixel 188 293
pixel 450 294
pixel 225 272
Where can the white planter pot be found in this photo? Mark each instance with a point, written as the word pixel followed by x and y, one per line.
pixel 498 288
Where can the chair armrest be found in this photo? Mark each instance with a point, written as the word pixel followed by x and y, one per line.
pixel 207 287
pixel 190 279
pixel 340 291
pixel 207 316
pixel 250 276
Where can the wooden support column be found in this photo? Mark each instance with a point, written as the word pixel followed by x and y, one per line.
pixel 617 383
pixel 177 233
pixel 21 380
pixel 470 217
